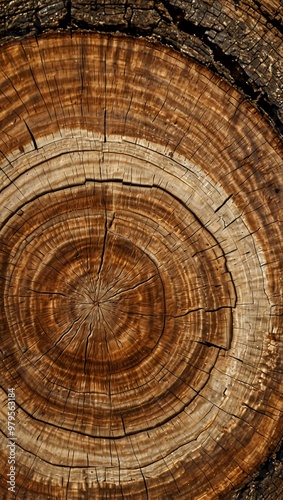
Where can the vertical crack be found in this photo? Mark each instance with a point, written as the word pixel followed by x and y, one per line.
pixel 31 134
pixel 105 101
pixel 86 348
pixel 104 241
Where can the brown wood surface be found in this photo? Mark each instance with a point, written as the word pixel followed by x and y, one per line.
pixel 140 272
pixel 239 40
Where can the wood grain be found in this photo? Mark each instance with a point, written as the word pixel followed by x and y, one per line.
pixel 140 272
pixel 239 40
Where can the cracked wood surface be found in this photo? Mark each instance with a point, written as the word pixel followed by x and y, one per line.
pixel 141 305
pixel 242 29
pixel 240 40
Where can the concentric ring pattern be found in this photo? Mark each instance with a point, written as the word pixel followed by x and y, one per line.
pixel 140 272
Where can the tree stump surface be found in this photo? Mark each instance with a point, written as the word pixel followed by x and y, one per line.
pixel 239 40
pixel 140 264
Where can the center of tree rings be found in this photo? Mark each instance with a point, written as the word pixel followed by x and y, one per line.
pixel 139 307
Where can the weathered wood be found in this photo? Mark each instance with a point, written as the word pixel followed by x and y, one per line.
pixel 141 304
pixel 240 40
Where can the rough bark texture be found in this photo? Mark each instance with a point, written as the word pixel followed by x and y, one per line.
pixel 218 151
pixel 241 41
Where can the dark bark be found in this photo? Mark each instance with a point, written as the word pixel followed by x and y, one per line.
pixel 241 41
pixel 267 484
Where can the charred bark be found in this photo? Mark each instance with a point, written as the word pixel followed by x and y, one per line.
pixel 241 41
pixel 187 213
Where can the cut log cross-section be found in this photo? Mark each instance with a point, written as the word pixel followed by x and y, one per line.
pixel 140 272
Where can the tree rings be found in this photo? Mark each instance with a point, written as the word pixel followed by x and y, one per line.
pixel 140 272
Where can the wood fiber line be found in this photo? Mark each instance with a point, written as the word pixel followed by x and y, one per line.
pixel 239 40
pixel 140 273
